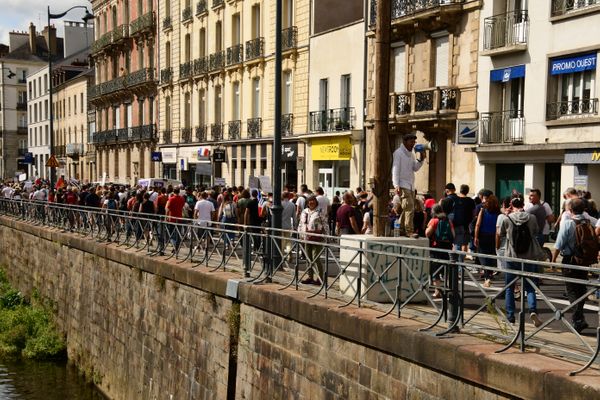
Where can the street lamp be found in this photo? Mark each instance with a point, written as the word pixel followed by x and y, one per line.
pixel 10 75
pixel 85 18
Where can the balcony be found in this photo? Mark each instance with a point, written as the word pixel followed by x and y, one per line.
pixel 22 105
pixel 235 54
pixel 145 23
pixel 185 70
pixel 201 66
pixel 167 23
pixel 506 33
pixel 105 137
pixel 186 135
pixel 254 128
pixel 255 48
pixel 123 135
pixel 337 119
pixel 74 149
pixel 424 103
pixel 410 11
pixel 216 61
pixel 22 130
pixel 167 135
pixel 58 150
pixel 216 132
pixel 218 3
pixel 287 125
pixel 139 77
pixel 201 133
pixel 201 8
pixel 102 42
pixel 289 38
pixel 234 129
pixel 561 8
pixel 579 108
pixel 143 133
pixel 186 15
pixel 166 75
pixel 21 151
pixel 503 127
pixel 120 33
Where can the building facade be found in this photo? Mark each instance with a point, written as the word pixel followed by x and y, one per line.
pixel 217 89
pixel 539 97
pixel 433 83
pixel 124 95
pixel 335 142
pixel 38 141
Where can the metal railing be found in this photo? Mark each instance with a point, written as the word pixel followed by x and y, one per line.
pixel 407 8
pixel 144 133
pixel 216 132
pixel 503 127
pixel 218 3
pixel 393 278
pixel 583 108
pixel 166 75
pixel 216 61
pixel 201 8
pixel 506 30
pixel 335 119
pixel 562 7
pixel 21 151
pixel 167 23
pixel 186 135
pixel 141 76
pixel 255 48
pixel 21 105
pixel 235 54
pixel 200 133
pixel 186 69
pixel 120 32
pixel 167 135
pixel 145 22
pixel 233 129
pixel 289 38
pixel 74 149
pixel 287 125
pixel 201 66
pixel 434 100
pixel 254 128
pixel 186 14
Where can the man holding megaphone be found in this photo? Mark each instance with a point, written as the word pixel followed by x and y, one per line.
pixel 404 166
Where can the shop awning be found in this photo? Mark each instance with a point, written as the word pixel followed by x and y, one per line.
pixel 568 65
pixel 508 73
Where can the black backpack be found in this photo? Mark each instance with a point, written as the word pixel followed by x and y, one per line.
pixel 521 237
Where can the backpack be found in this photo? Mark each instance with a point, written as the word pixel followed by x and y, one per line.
pixel 521 237
pixel 229 210
pixel 443 232
pixel 358 216
pixel 457 216
pixel 586 244
pixel 112 204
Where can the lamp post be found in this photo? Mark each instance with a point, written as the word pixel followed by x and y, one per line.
pixel 10 75
pixel 51 16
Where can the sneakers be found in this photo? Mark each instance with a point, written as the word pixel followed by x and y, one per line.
pixel 537 322
pixel 579 326
pixel 487 283
pixel 311 281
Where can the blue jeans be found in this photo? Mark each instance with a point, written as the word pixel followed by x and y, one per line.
pixel 510 295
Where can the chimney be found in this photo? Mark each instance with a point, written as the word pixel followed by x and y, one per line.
pixel 49 34
pixel 32 39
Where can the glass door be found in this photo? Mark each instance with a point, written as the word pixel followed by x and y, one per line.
pixel 326 181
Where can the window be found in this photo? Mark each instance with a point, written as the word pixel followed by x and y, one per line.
pixel 168 55
pixel 45 109
pixel 286 95
pixel 188 48
pixel 201 107
pixel 168 113
pixel 75 104
pixel 45 83
pixel 255 97
pixel 345 91
pixel 218 117
pixel 187 111
pixel 30 89
pixel 140 8
pixel 576 90
pixel 150 56
pixel 288 13
pixel 255 21
pixel 81 103
pixel 441 60
pixel 323 94
pixel 235 95
pixel 202 43
pixel 572 86
pixel 398 61
pixel 140 55
pixel 235 29
pixel 218 37
pixel 126 12
pixel 69 106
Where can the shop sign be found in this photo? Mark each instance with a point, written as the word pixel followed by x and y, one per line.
pixel 156 156
pixel 466 131
pixel 324 149
pixel 169 156
pixel 289 151
pixel 570 65
pixel 219 155
pixel 584 156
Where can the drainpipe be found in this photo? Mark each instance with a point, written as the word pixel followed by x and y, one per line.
pixel 363 173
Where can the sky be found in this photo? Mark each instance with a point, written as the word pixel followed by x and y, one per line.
pixel 15 15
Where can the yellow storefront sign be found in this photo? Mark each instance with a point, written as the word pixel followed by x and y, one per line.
pixel 325 149
pixel 596 156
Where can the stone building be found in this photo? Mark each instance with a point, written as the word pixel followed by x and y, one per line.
pixel 28 52
pixel 538 97
pixel 216 91
pixel 124 95
pixel 433 83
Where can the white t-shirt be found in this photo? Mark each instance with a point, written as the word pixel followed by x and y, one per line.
pixel 7 192
pixel 205 209
pixel 153 196
pixel 367 223
pixel 548 211
pixel 324 203
pixel 300 202
pixel 39 195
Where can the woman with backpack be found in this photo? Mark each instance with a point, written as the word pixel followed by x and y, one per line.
pixel 228 214
pixel 485 235
pixel 440 232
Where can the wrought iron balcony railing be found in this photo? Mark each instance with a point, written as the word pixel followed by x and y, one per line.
pixel 123 135
pixel 167 136
pixel 201 66
pixel 145 133
pixel 429 101
pixel 186 70
pixel 186 135
pixel 201 8
pixel 579 108
pixel 21 151
pixel 216 132
pixel 21 105
pixel 287 125
pixel 141 76
pixel 401 104
pixel 218 3
pixel 336 119
pixel 506 30
pixel 166 75
pixel 167 23
pixel 234 129
pixel 503 127
pixel 21 130
pixel 255 48
pixel 102 42
pixel 562 7
pixel 235 54
pixel 201 133
pixel 120 32
pixel 289 38
pixel 186 14
pixel 254 128
pixel 143 23
pixel 405 8
pixel 217 61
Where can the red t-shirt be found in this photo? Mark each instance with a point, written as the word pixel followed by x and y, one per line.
pixel 433 223
pixel 175 206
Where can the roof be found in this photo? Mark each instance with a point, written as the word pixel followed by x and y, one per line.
pixel 24 52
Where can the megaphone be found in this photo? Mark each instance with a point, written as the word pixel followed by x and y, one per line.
pixel 431 146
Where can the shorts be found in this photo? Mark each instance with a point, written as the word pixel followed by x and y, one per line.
pixel 461 236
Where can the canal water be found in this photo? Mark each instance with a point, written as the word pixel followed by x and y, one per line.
pixel 47 380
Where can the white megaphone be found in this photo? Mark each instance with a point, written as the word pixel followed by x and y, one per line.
pixel 431 146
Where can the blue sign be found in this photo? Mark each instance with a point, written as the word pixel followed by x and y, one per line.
pixel 28 159
pixel 569 65
pixel 156 156
pixel 506 74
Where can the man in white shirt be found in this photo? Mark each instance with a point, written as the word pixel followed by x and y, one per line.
pixel 39 195
pixel 7 192
pixel 288 221
pixel 204 211
pixel 324 203
pixel 404 167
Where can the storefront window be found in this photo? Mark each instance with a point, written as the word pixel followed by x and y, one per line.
pixel 572 80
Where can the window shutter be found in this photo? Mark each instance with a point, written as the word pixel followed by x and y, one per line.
pixel 399 59
pixel 441 61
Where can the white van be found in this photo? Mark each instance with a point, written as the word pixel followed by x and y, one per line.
pixel 160 182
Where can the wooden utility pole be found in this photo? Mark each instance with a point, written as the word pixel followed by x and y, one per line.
pixel 380 151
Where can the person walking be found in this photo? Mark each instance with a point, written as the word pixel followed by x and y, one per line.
pixel 485 235
pixel 404 166
pixel 312 222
